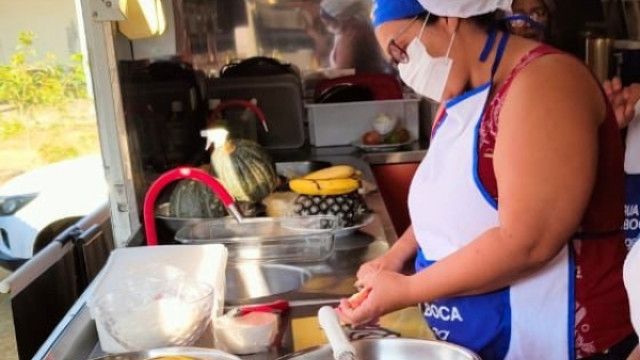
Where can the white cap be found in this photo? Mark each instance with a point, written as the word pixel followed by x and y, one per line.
pixel 464 8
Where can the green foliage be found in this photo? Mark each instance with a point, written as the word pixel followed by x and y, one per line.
pixel 10 127
pixel 75 78
pixel 29 83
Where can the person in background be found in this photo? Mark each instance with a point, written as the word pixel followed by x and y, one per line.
pixel 516 208
pixel 626 103
pixel 533 19
pixel 316 30
pixel 354 45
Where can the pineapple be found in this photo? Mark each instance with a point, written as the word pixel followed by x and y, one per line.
pixel 350 207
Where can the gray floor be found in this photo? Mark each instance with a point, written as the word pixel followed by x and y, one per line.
pixel 7 336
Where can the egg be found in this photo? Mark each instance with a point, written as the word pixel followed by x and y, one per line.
pixel 384 124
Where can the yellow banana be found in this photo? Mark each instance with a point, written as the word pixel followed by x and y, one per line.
pixel 332 172
pixel 324 187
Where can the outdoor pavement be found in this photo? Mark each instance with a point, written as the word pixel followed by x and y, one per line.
pixel 7 336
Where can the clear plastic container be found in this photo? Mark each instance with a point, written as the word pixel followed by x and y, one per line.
pixel 295 238
pixel 155 313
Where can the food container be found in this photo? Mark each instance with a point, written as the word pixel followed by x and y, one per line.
pixel 246 334
pixel 341 124
pixel 295 238
pixel 145 314
pixel 143 266
pixel 392 349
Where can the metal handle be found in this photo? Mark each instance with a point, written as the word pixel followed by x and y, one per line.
pixel 151 233
pixel 342 348
pixel 250 105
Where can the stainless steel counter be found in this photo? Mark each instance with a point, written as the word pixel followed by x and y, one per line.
pixel 75 338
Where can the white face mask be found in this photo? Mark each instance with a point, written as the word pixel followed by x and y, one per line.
pixel 425 74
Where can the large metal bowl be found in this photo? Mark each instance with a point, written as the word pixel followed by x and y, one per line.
pixel 188 352
pixel 392 349
pixel 174 223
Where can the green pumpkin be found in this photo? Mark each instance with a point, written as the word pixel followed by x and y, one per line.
pixel 193 199
pixel 245 169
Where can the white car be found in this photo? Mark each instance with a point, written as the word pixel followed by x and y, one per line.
pixel 34 201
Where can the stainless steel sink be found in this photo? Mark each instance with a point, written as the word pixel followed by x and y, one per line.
pixel 294 169
pixel 250 281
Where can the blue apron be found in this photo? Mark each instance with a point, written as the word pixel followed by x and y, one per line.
pixel 449 207
pixel 632 209
pixel 632 181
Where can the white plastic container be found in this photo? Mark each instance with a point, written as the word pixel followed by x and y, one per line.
pixel 247 334
pixel 340 124
pixel 205 263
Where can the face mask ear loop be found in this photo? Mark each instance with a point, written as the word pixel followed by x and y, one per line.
pixel 453 37
pixel 424 25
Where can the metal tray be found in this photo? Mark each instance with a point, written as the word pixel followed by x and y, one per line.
pixel 295 238
pixel 174 223
pixel 189 352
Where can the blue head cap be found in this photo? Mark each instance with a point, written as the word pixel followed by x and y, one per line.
pixel 388 10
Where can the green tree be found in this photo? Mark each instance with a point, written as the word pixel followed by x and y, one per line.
pixel 28 83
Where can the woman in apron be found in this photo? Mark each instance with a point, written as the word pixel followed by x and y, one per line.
pixel 517 208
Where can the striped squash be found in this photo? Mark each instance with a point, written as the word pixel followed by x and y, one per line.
pixel 193 199
pixel 245 169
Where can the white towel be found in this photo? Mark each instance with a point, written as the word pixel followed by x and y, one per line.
pixel 632 153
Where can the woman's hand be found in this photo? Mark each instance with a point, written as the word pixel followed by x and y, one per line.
pixel 393 260
pixel 387 292
pixel 387 262
pixel 622 99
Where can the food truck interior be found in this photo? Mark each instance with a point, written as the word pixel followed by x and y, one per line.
pixel 201 63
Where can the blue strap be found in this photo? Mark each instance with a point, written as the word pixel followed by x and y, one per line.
pixel 499 53
pixel 488 45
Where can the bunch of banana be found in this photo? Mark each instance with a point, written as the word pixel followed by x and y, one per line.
pixel 334 180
